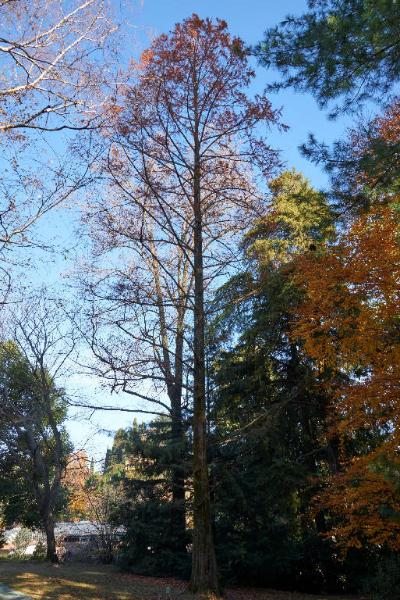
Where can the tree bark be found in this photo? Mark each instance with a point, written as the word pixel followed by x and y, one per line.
pixel 51 553
pixel 173 379
pixel 178 521
pixel 204 576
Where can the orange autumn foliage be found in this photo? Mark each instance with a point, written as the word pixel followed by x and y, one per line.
pixel 349 321
pixel 76 475
pixel 388 125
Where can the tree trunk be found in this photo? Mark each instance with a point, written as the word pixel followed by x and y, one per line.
pixel 51 553
pixel 44 492
pixel 178 521
pixel 174 388
pixel 204 576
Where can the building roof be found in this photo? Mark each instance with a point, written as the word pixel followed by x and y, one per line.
pixel 84 528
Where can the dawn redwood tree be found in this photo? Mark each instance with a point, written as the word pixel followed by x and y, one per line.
pixel 184 154
pixel 349 323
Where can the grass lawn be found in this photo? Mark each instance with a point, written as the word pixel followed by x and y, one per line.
pixel 42 581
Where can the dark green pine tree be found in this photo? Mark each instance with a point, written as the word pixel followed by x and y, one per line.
pixel 270 449
pixel 142 460
pixel 364 167
pixel 347 49
pixel 107 461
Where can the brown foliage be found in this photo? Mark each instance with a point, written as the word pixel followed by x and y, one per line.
pixel 349 322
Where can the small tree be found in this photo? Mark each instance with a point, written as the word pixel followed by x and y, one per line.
pixel 101 502
pixel 32 437
pixel 139 464
pixel 75 476
pixel 34 442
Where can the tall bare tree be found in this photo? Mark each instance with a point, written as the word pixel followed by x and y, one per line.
pixel 182 164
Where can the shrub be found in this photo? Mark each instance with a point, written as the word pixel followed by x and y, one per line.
pixel 23 539
pixel 40 550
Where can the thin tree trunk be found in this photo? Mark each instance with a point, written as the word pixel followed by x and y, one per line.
pixel 43 493
pixel 204 576
pixel 174 389
pixel 178 477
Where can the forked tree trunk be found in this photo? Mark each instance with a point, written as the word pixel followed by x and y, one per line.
pixel 204 576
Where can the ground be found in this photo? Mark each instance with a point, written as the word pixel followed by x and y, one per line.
pixel 42 581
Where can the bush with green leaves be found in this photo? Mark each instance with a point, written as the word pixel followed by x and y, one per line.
pixel 23 539
pixel 40 550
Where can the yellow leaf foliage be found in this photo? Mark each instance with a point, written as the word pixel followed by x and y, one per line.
pixel 76 474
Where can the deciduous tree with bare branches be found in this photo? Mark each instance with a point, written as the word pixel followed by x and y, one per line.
pixel 52 71
pixel 182 169
pixel 48 62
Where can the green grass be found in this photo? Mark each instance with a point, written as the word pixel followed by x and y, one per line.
pixel 76 581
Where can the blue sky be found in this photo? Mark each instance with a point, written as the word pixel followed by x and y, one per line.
pixel 144 20
pixel 249 19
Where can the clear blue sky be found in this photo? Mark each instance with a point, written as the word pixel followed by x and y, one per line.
pixel 247 19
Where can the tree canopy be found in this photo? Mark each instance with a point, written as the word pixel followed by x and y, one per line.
pixel 338 49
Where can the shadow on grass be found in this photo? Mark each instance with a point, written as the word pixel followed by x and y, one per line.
pixel 77 581
pixel 45 582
